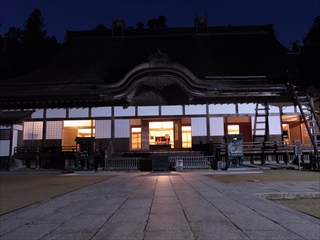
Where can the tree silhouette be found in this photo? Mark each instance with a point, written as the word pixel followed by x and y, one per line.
pixel 309 57
pixel 13 56
pixel 36 44
pixel 162 21
pixel 25 50
pixel 152 23
pixel 159 22
pixel 100 27
pixel 313 36
pixel 139 25
pixel 3 59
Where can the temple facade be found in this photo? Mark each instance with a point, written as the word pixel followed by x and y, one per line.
pixel 142 87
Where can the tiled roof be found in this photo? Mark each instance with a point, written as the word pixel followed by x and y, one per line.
pixel 90 59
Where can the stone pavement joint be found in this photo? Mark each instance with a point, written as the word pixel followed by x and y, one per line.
pixel 164 205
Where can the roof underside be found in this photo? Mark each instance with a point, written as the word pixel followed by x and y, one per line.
pixel 14 117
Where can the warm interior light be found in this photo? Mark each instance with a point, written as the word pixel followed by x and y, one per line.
pixel 233 129
pixel 186 128
pixel 77 128
pixel 136 130
pixel 161 133
pixel 85 130
pixel 285 126
pixel 77 123
pixel 160 125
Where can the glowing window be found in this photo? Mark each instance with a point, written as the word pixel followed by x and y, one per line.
pixel 186 136
pixel 233 129
pixel 136 138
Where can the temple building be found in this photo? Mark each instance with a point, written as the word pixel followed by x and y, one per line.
pixel 142 87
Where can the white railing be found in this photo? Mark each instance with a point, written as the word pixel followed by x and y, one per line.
pixel 189 162
pixel 131 163
pixel 193 162
pixel 273 158
pixel 128 163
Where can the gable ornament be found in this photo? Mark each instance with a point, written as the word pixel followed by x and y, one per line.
pixel 159 57
pixel 158 82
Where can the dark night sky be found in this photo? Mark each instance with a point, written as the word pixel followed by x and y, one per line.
pixel 291 18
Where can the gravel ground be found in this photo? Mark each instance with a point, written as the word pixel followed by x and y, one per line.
pixel 279 175
pixel 20 190
pixel 310 206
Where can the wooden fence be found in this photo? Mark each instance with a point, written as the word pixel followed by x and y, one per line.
pixel 254 153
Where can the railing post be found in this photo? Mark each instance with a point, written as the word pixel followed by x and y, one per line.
pixel 286 157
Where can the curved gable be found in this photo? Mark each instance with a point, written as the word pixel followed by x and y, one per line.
pixel 158 81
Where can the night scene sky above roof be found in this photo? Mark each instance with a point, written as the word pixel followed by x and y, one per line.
pixel 291 18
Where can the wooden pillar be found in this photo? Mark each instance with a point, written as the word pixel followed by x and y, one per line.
pixel 112 124
pixel 267 123
pixel 281 114
pixel 177 133
pixel 144 135
pixel 208 124
pixel 11 159
pixel 44 128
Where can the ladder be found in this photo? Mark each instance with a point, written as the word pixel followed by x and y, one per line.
pixel 310 119
pixel 261 123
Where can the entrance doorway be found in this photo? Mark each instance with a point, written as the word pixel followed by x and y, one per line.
pixel 161 133
pixel 176 132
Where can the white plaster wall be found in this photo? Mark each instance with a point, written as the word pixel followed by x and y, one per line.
pixel 103 129
pixel 148 111
pixel 198 127
pixel 171 110
pixel 56 113
pixel 274 109
pixel 275 125
pixel 5 144
pixel 78 112
pixel 18 127
pixel 4 148
pixel 195 109
pixel 101 112
pixel 120 112
pixel 216 126
pixel 37 114
pixel 222 109
pixel 14 140
pixel 122 128
pixel 246 108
